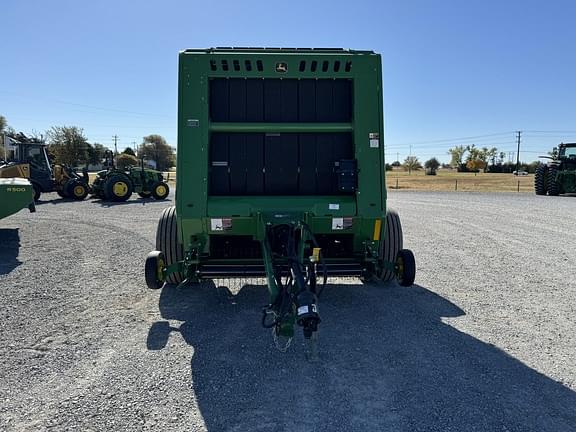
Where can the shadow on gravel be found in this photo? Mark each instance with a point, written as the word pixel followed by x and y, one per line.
pixel 9 249
pixel 388 362
pixel 141 201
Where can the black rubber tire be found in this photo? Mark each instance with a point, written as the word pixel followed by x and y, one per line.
pixel 553 186
pixel 151 265
pixel 407 265
pixel 391 243
pixel 37 191
pixel 144 194
pixel 167 242
pixel 540 180
pixel 61 193
pixel 76 190
pixel 109 188
pixel 160 190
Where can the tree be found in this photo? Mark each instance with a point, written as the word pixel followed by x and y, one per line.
pixel 431 166
pixel 129 151
pixel 475 165
pixel 457 154
pixel 96 153
pixel 3 125
pixel 155 147
pixel 68 145
pixel 411 163
pixel 124 160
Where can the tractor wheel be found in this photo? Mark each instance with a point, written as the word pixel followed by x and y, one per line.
pixel 540 180
pixel 153 268
pixel 37 191
pixel 61 193
pixel 160 190
pixel 118 188
pixel 406 265
pixel 145 194
pixel 553 186
pixel 167 242
pixel 76 190
pixel 391 243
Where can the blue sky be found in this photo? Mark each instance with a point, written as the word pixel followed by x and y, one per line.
pixel 452 69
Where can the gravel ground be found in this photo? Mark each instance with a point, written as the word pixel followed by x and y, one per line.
pixel 484 342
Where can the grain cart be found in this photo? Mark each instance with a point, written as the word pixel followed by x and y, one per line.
pixel 559 175
pixel 28 158
pixel 280 174
pixel 116 184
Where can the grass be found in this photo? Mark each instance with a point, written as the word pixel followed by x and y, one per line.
pixel 445 180
pixel 448 180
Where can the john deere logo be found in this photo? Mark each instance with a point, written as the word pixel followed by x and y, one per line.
pixel 281 67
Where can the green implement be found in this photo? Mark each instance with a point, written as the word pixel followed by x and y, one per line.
pixel 15 194
pixel 280 175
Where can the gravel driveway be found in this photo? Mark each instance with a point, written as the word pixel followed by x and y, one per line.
pixel 485 341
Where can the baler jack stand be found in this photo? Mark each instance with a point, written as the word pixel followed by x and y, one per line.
pixel 291 256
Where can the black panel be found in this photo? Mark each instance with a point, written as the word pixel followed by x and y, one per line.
pixel 272 100
pixel 281 158
pixel 307 100
pixel 219 100
pixel 289 100
pixel 307 178
pixel 237 94
pixel 219 178
pixel 254 101
pixel 255 162
pixel 324 101
pixel 238 164
pixel 280 100
pixel 294 164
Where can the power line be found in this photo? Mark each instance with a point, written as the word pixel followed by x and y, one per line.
pixel 458 139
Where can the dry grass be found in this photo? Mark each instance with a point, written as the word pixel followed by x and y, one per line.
pixel 447 180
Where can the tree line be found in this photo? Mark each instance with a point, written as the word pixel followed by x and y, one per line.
pixel 68 145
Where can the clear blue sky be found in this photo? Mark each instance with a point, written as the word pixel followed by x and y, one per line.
pixel 452 68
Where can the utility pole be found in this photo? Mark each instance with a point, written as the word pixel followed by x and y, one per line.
pixel 398 156
pixel 115 144
pixel 519 133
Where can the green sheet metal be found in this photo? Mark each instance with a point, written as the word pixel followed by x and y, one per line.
pixel 15 194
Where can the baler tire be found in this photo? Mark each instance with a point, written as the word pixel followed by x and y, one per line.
pixel 540 180
pixel 406 267
pixel 113 195
pixel 61 193
pixel 391 243
pixel 37 191
pixel 167 242
pixel 153 266
pixel 160 190
pixel 552 185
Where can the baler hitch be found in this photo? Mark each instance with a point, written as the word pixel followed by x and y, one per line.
pixel 291 257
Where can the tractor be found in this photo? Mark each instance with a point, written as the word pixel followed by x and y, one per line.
pixel 28 158
pixel 114 184
pixel 281 176
pixel 558 176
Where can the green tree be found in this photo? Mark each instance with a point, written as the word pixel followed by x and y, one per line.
pixel 68 145
pixel 124 160
pixel 155 147
pixel 96 153
pixel 411 163
pixel 457 155
pixel 433 164
pixel 129 151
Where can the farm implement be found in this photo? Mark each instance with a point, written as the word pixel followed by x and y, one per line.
pixel 281 176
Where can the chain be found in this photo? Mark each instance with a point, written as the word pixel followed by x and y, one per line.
pixel 277 341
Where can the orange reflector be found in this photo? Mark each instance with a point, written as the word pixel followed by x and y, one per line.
pixel 377 229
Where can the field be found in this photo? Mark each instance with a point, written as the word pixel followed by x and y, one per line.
pixel 484 341
pixel 448 180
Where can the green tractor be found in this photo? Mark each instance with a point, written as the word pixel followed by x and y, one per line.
pixel 559 175
pixel 28 158
pixel 114 184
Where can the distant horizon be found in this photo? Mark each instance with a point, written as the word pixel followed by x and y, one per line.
pixel 454 73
